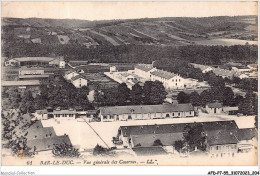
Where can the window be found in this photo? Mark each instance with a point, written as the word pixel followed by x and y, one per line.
pixel 167 115
pixel 179 114
pixel 217 148
pixel 179 80
pixel 176 84
pixel 190 112
pixel 176 80
pixel 172 114
pixel 104 117
pixel 49 146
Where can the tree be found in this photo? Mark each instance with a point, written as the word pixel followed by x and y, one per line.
pixel 182 97
pixel 123 93
pixel 136 94
pixel 249 105
pixel 205 97
pixel 65 150
pixel 19 147
pixel 157 142
pixel 178 145
pixel 99 150
pixel 256 122
pixel 195 137
pixel 195 99
pixel 154 92
pixel 228 97
pixel 27 103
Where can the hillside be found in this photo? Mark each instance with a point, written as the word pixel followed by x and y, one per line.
pixel 173 31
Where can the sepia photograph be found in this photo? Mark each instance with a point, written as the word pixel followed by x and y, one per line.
pixel 129 83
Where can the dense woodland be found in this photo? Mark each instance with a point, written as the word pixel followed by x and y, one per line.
pixel 209 55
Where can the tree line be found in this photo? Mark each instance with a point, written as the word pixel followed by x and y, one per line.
pixel 208 55
pixel 149 94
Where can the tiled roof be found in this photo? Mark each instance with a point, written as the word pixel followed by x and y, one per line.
pixel 147 140
pixel 220 137
pixel 245 134
pixel 176 128
pixel 64 112
pixel 163 74
pixel 34 59
pixel 139 109
pixel 47 143
pixel 77 77
pixel 214 105
pixel 144 67
pixel 147 151
pixel 39 133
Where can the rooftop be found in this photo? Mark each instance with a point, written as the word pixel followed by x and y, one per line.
pixel 214 105
pixel 47 143
pixel 64 112
pixel 34 59
pixel 163 74
pixel 142 109
pixel 176 128
pixel 147 151
pixel 39 133
pixel 21 83
pixel 220 137
pixel 78 76
pixel 34 76
pixel 246 134
pixel 31 68
pixel 144 67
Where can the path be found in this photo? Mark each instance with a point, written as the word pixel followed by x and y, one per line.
pixel 96 133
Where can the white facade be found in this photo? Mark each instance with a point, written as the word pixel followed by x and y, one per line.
pixel 222 151
pixel 208 69
pixel 214 110
pixel 31 71
pixel 175 82
pixel 113 69
pixel 62 64
pixel 80 82
pixel 71 75
pixel 144 74
pixel 11 62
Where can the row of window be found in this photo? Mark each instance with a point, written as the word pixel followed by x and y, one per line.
pixel 223 155
pixel 223 147
pixel 64 115
pixel 130 117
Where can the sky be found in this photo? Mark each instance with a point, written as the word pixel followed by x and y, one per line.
pixel 125 10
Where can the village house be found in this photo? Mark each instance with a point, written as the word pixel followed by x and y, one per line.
pixel 113 69
pixel 79 81
pixel 221 143
pixel 41 138
pixel 31 71
pixel 36 61
pixel 247 140
pixel 169 80
pixel 241 69
pixel 221 139
pixel 11 62
pixel 70 73
pixel 144 70
pixel 144 112
pixel 214 108
pixel 64 114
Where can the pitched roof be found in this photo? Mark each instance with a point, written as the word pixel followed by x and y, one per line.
pixel 245 134
pixel 147 151
pixel 21 83
pixel 34 59
pixel 214 105
pixel 220 137
pixel 64 112
pixel 31 68
pixel 125 74
pixel 176 128
pixel 139 109
pixel 223 72
pixel 144 67
pixel 163 74
pixel 147 140
pixel 40 133
pixel 78 77
pixel 47 143
pixel 34 76
pixel 70 71
pixel 42 111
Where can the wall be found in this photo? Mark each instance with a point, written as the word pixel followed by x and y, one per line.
pixel 78 83
pixel 221 151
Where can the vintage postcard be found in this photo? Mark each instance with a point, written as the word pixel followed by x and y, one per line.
pixel 129 84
